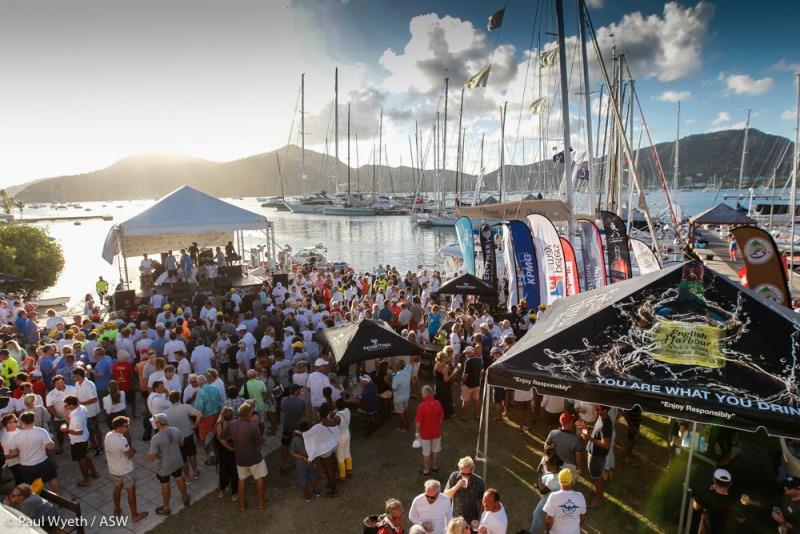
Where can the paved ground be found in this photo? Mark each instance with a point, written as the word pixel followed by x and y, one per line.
pixel 97 503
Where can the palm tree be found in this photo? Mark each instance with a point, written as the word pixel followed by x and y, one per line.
pixel 19 204
pixel 6 202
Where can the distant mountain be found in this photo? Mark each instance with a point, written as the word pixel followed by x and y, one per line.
pixel 152 175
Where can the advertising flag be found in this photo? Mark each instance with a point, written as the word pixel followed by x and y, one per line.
pixel 466 242
pixel 489 257
pixel 525 257
pixel 550 258
pixel 511 269
pixel 594 267
pixel 645 258
pixel 765 270
pixel 496 20
pixel 573 286
pixel 619 257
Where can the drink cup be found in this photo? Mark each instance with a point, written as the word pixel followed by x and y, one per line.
pixel 466 481
pixel 474 525
pixel 64 427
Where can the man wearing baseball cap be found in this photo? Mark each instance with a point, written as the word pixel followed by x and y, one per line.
pixel 787 515
pixel 719 507
pixel 565 508
pixel 565 443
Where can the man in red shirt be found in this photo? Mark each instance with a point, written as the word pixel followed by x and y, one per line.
pixel 429 429
pixel 122 370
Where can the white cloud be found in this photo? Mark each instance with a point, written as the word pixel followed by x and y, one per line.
pixel 789 114
pixel 787 66
pixel 744 84
pixel 721 118
pixel 597 4
pixel 690 121
pixel 674 96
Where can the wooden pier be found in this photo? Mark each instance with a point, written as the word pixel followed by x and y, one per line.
pixel 65 218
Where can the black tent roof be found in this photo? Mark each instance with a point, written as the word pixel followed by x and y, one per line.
pixel 721 214
pixel 609 346
pixel 467 284
pixel 365 340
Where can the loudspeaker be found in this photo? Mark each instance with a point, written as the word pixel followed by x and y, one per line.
pixel 181 287
pixel 283 278
pixel 124 299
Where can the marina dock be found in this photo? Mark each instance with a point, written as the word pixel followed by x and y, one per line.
pixel 66 218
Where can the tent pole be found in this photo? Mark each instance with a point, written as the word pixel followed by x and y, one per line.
pixel 692 445
pixel 483 430
pixel 122 254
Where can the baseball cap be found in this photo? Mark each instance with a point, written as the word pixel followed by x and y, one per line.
pixel 364 378
pixel 565 477
pixel 320 362
pixel 565 419
pixel 792 483
pixel 160 418
pixel 723 475
pixel 5 392
pixel 241 327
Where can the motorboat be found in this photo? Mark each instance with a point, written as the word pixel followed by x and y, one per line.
pixel 310 256
pixel 311 204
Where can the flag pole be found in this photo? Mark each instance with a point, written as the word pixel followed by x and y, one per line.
pixel 793 193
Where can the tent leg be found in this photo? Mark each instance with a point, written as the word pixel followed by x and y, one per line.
pixel 483 431
pixel 692 445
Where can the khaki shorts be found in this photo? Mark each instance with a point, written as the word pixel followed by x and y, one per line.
pixel 468 394
pixel 400 407
pixel 431 445
pixel 257 471
pixel 126 480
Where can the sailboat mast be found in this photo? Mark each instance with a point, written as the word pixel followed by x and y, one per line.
pixel 501 176
pixel 793 192
pixel 744 148
pixel 460 156
pixel 348 151
pixel 303 131
pixel 587 102
pixel 444 144
pixel 677 148
pixel 380 159
pixel 336 130
pixel 562 59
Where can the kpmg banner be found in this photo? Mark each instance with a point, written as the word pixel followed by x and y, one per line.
pixel 766 274
pixel 525 257
pixel 619 257
pixel 573 285
pixel 511 268
pixel 489 256
pixel 550 258
pixel 594 267
pixel 466 242
pixel 645 258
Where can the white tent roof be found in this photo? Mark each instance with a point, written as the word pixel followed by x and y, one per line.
pixel 183 216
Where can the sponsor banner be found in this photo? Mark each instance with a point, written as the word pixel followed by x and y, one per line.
pixel 525 258
pixel 573 286
pixel 765 271
pixel 547 244
pixel 511 268
pixel 645 258
pixel 619 258
pixel 489 256
pixel 594 267
pixel 466 242
pixel 688 344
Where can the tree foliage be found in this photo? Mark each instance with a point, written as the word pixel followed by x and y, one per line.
pixel 27 251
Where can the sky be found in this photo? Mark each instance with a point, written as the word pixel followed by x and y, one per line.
pixel 86 83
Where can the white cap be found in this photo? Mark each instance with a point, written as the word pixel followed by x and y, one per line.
pixel 722 475
pixel 320 362
pixel 241 327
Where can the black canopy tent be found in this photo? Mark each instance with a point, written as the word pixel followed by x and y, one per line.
pixel 718 215
pixel 724 358
pixel 682 341
pixel 467 284
pixel 366 340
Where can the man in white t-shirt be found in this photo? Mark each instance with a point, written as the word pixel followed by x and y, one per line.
pixel 157 401
pixel 9 424
pixel 201 358
pixel 30 445
pixel 86 392
pixel 432 509
pixel 184 368
pixel 317 381
pixel 172 346
pixel 55 405
pixel 565 509
pixel 77 429
pixel 119 456
pixel 493 518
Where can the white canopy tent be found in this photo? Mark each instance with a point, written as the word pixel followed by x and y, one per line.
pixel 178 219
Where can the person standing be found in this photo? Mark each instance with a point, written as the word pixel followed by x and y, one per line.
pixel 165 449
pixel 493 519
pixel 431 509
pixel 564 443
pixel 718 506
pixel 246 440
pixel 77 429
pixel 86 392
pixel 55 405
pixel 392 522
pixel 598 445
pixel 428 422
pixel 466 489
pixel 401 392
pixel 471 383
pixel 566 508
pixel 444 371
pixel 318 381
pixel 31 444
pixel 732 247
pixel 343 458
pixel 119 456
pixel 9 423
pixel 306 470
pixel 294 409
pixel 180 416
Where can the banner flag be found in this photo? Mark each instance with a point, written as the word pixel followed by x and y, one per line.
pixel 766 274
pixel 594 267
pixel 617 252
pixel 466 242
pixel 549 58
pixel 550 258
pixel 645 258
pixel 525 256
pixel 571 268
pixel 538 106
pixel 479 79
pixel 496 20
pixel 511 268
pixel 489 256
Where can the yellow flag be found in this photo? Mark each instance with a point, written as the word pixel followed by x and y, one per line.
pixel 478 80
pixel 538 105
pixel 549 58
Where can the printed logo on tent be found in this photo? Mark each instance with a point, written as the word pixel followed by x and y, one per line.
pixel 770 292
pixel 568 508
pixel 757 250
pixel 465 285
pixel 375 345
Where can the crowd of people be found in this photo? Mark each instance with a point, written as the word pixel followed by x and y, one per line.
pixel 209 377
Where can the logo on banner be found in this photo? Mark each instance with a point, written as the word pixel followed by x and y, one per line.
pixel 556 286
pixel 681 343
pixel 527 265
pixel 757 250
pixel 770 292
pixel 375 346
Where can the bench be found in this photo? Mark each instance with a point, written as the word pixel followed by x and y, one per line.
pixel 72 506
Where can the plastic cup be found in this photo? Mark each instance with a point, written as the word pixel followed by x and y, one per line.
pixel 475 525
